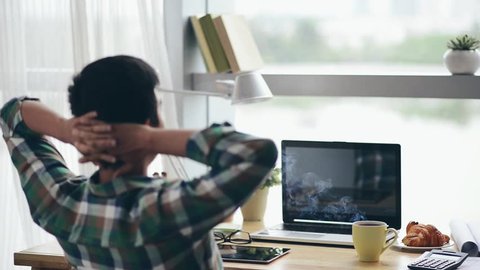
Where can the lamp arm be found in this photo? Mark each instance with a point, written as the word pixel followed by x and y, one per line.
pixel 247 88
pixel 193 92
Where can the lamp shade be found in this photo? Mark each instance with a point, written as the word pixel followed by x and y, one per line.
pixel 250 87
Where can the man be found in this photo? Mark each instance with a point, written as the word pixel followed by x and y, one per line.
pixel 119 218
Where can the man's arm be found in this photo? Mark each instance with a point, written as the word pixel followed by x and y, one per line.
pixel 41 119
pixel 44 121
pixel 42 170
pixel 238 163
pixel 40 166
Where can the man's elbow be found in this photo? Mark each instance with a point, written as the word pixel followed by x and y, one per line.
pixel 267 153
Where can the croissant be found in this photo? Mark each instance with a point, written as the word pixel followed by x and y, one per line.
pixel 420 235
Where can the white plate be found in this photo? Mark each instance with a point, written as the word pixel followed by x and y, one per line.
pixel 400 245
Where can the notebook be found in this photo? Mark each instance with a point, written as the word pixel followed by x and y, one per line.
pixel 326 186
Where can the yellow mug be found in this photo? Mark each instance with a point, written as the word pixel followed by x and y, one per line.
pixel 370 239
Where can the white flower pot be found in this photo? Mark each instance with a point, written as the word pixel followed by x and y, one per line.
pixel 460 62
pixel 254 208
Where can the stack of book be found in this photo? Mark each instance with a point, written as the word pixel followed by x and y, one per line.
pixel 226 43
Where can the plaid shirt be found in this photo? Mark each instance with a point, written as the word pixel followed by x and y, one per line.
pixel 137 222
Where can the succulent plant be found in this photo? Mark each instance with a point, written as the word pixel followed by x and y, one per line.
pixel 463 43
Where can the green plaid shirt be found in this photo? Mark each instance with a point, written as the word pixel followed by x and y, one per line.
pixel 137 222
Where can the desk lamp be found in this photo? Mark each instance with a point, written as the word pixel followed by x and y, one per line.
pixel 248 87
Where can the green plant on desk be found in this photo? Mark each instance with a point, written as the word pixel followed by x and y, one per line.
pixel 273 179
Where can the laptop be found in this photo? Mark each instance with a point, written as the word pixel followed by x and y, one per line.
pixel 326 186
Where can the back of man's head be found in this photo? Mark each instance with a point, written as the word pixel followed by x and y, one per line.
pixel 119 88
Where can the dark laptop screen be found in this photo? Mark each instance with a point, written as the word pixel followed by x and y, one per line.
pixel 341 182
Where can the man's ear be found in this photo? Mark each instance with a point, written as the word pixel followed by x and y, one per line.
pixel 149 123
pixel 160 122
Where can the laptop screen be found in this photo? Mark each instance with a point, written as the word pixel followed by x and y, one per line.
pixel 340 182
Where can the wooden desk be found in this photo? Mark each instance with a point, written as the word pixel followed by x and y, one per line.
pixel 43 257
pixel 50 256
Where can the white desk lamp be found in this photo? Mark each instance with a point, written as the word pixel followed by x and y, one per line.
pixel 248 87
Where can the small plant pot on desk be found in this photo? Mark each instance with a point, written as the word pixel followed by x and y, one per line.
pixel 254 208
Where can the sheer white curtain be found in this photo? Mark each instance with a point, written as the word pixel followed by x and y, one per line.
pixel 42 44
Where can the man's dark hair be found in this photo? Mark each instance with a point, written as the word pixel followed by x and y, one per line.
pixel 119 88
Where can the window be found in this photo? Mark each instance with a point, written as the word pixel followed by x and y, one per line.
pixel 358 36
pixel 439 139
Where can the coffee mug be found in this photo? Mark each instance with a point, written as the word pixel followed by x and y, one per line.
pixel 370 239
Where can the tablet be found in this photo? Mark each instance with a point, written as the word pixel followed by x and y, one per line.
pixel 251 254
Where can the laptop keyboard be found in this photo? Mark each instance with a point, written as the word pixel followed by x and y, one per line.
pixel 322 228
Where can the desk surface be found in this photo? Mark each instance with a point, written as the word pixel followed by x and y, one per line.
pixel 50 256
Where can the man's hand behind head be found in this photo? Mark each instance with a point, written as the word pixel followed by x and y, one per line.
pixel 105 144
pixel 132 147
pixel 130 138
pixel 92 138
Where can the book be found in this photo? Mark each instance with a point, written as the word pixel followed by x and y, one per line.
pixel 203 45
pixel 213 41
pixel 466 236
pixel 238 43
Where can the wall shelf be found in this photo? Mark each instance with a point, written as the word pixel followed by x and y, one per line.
pixel 410 86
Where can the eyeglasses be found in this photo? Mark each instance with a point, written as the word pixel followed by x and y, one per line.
pixel 235 237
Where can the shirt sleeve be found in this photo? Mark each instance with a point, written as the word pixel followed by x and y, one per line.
pixel 238 164
pixel 40 166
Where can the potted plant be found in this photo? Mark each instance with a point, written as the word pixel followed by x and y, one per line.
pixel 254 208
pixel 462 57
